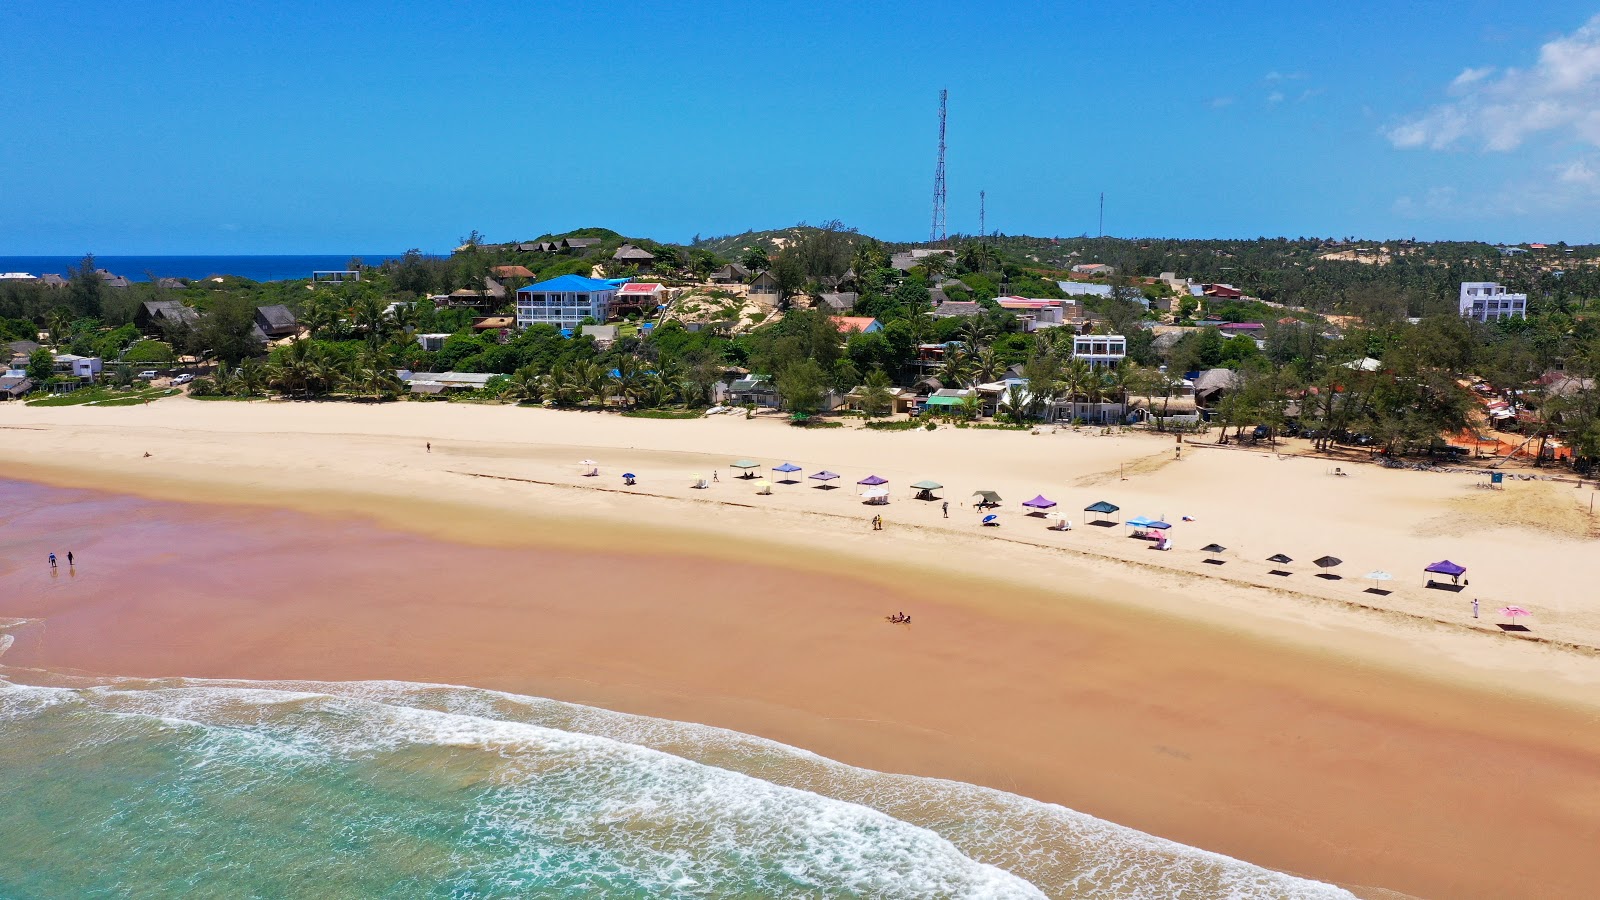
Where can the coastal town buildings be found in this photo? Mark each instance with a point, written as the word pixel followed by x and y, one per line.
pixel 565 301
pixel 1100 350
pixel 1487 301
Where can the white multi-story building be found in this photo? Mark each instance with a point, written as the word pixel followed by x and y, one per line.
pixel 565 302
pixel 1486 301
pixel 1100 350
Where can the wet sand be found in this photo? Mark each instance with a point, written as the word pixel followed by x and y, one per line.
pixel 1307 762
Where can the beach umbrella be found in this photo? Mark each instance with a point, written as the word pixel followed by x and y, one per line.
pixel 764 486
pixel 991 519
pixel 1212 550
pixel 1327 562
pixel 1512 612
pixel 1280 559
pixel 587 462
pixel 1377 575
pixel 629 475
pixel 1039 502
pixel 745 465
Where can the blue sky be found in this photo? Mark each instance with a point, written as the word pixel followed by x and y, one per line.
pixel 288 127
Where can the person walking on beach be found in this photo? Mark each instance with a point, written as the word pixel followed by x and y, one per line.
pixel 429 445
pixel 52 560
pixel 714 475
pixel 1474 607
pixel 69 558
pixel 946 508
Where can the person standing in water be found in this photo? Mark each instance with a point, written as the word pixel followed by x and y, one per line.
pixel 69 558
pixel 52 560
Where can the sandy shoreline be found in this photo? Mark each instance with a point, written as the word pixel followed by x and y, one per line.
pixel 1285 729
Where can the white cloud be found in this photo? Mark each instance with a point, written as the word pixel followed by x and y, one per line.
pixel 1500 109
pixel 1273 77
pixel 1220 102
pixel 1275 97
pixel 1578 172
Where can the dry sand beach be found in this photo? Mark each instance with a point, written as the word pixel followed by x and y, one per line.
pixel 1384 742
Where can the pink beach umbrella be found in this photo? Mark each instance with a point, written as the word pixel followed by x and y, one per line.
pixel 1512 612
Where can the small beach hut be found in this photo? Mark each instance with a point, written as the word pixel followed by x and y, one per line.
pixel 925 489
pixel 785 470
pixel 824 477
pixel 1102 510
pixel 1038 505
pixel 745 466
pixel 987 499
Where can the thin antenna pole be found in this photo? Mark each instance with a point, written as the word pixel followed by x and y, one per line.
pixel 982 203
pixel 936 233
pixel 1102 213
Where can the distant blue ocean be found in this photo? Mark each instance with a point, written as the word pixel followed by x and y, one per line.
pixel 139 268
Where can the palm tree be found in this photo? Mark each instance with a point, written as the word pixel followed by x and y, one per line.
pixel 875 397
pixel 252 378
pixel 368 316
pixel 976 332
pixel 986 365
pixel 525 385
pixel 627 380
pixel 954 369
pixel 59 324
pixel 558 386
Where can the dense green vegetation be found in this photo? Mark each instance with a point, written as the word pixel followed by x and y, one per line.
pixel 1305 373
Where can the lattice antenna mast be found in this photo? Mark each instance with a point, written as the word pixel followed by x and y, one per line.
pixel 936 234
pixel 982 204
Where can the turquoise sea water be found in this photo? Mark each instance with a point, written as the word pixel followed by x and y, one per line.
pixel 127 788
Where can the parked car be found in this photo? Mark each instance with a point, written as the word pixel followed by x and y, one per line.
pixel 147 375
pixel 182 379
pixel 1261 433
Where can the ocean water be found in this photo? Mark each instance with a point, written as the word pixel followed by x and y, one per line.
pixel 196 788
pixel 138 268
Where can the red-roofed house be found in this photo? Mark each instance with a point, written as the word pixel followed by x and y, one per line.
pixel 1538 247
pixel 1253 329
pixel 512 272
pixel 1035 313
pixel 641 295
pixel 1223 291
pixel 853 324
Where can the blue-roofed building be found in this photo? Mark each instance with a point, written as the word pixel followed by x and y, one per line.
pixel 565 301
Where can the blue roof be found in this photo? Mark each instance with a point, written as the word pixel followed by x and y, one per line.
pixel 569 284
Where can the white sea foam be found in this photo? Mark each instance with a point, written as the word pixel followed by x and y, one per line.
pixel 692 785
pixel 623 814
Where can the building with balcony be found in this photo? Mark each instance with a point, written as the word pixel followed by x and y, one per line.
pixel 565 302
pixel 1486 301
pixel 1100 350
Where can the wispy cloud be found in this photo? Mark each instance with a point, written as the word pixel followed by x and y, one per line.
pixel 1275 98
pixel 1565 187
pixel 1500 109
pixel 1275 77
pixel 1220 102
